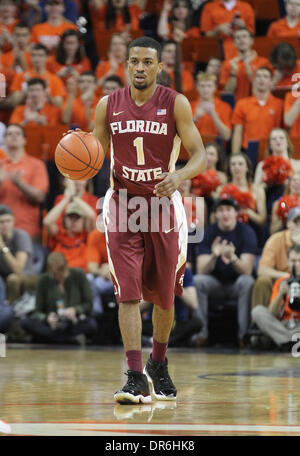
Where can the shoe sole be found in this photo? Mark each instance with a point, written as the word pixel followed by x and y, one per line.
pixel 158 397
pixel 127 398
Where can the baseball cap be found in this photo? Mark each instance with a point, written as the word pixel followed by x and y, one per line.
pixel 5 210
pixel 294 213
pixel 226 201
pixel 73 208
pixel 54 2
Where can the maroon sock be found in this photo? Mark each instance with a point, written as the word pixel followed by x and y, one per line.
pixel 159 351
pixel 134 360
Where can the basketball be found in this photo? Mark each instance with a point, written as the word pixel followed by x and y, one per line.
pixel 79 155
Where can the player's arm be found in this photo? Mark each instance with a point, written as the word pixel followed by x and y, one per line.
pixel 192 143
pixel 100 129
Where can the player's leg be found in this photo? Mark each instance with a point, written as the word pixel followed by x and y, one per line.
pixel 125 256
pixel 165 256
pixel 137 388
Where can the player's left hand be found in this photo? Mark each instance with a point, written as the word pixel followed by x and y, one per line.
pixel 170 182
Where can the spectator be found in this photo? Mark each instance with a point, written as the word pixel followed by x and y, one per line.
pixel 221 18
pixel 36 110
pixel 71 238
pixel 116 15
pixel 168 58
pixel 6 312
pixel 211 115
pixel 288 25
pixel 63 305
pixel 280 145
pixel 111 83
pixel 214 67
pixel 69 59
pixel 23 182
pixel 8 20
pixel 273 263
pixel 237 73
pixel 98 268
pixel 70 12
pixel 49 33
pixel 78 110
pixel 116 63
pixel 254 117
pixel 278 321
pixel 176 18
pixel 215 160
pixel 19 58
pixel 292 113
pixel 283 57
pixel 272 178
pixel 290 199
pixel 251 197
pixel 224 266
pixel 16 256
pixel 76 189
pixel 55 86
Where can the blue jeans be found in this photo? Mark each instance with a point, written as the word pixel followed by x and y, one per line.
pixel 6 312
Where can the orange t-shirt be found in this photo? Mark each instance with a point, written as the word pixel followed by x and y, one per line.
pixel 55 84
pixel 215 13
pixel 79 114
pixel 33 172
pixel 243 87
pixel 8 60
pixel 99 19
pixel 257 120
pixel 74 248
pixel 281 28
pixel 192 32
pixel 287 312
pixel 104 67
pixel 49 35
pixel 188 84
pixel 286 81
pixel 86 197
pixel 96 248
pixel 10 28
pixel 51 112
pixel 288 103
pixel 205 123
pixel 54 67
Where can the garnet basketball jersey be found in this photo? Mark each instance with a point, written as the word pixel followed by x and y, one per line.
pixel 144 140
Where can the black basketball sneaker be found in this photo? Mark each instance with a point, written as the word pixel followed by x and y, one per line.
pixel 158 376
pixel 135 391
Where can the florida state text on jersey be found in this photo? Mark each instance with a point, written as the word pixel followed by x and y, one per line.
pixel 144 140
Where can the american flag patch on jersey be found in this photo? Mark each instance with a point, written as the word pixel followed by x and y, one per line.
pixel 161 112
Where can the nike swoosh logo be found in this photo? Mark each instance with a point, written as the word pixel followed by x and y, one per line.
pixel 117 113
pixel 168 231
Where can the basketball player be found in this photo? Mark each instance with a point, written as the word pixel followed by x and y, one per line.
pixel 144 122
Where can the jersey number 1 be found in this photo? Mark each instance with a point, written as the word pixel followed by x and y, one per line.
pixel 138 144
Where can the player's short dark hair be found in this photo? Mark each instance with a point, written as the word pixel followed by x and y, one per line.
pixel 40 47
pixel 34 81
pixel 146 42
pixel 114 78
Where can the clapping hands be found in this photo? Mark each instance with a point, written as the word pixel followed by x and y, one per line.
pixel 224 249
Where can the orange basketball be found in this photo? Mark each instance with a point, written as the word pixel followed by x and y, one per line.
pixel 79 155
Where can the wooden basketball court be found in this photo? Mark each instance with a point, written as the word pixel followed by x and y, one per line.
pixel 70 392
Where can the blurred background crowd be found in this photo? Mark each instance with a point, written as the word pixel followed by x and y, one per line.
pixel 238 64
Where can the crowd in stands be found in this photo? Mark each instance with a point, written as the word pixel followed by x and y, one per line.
pixel 238 63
